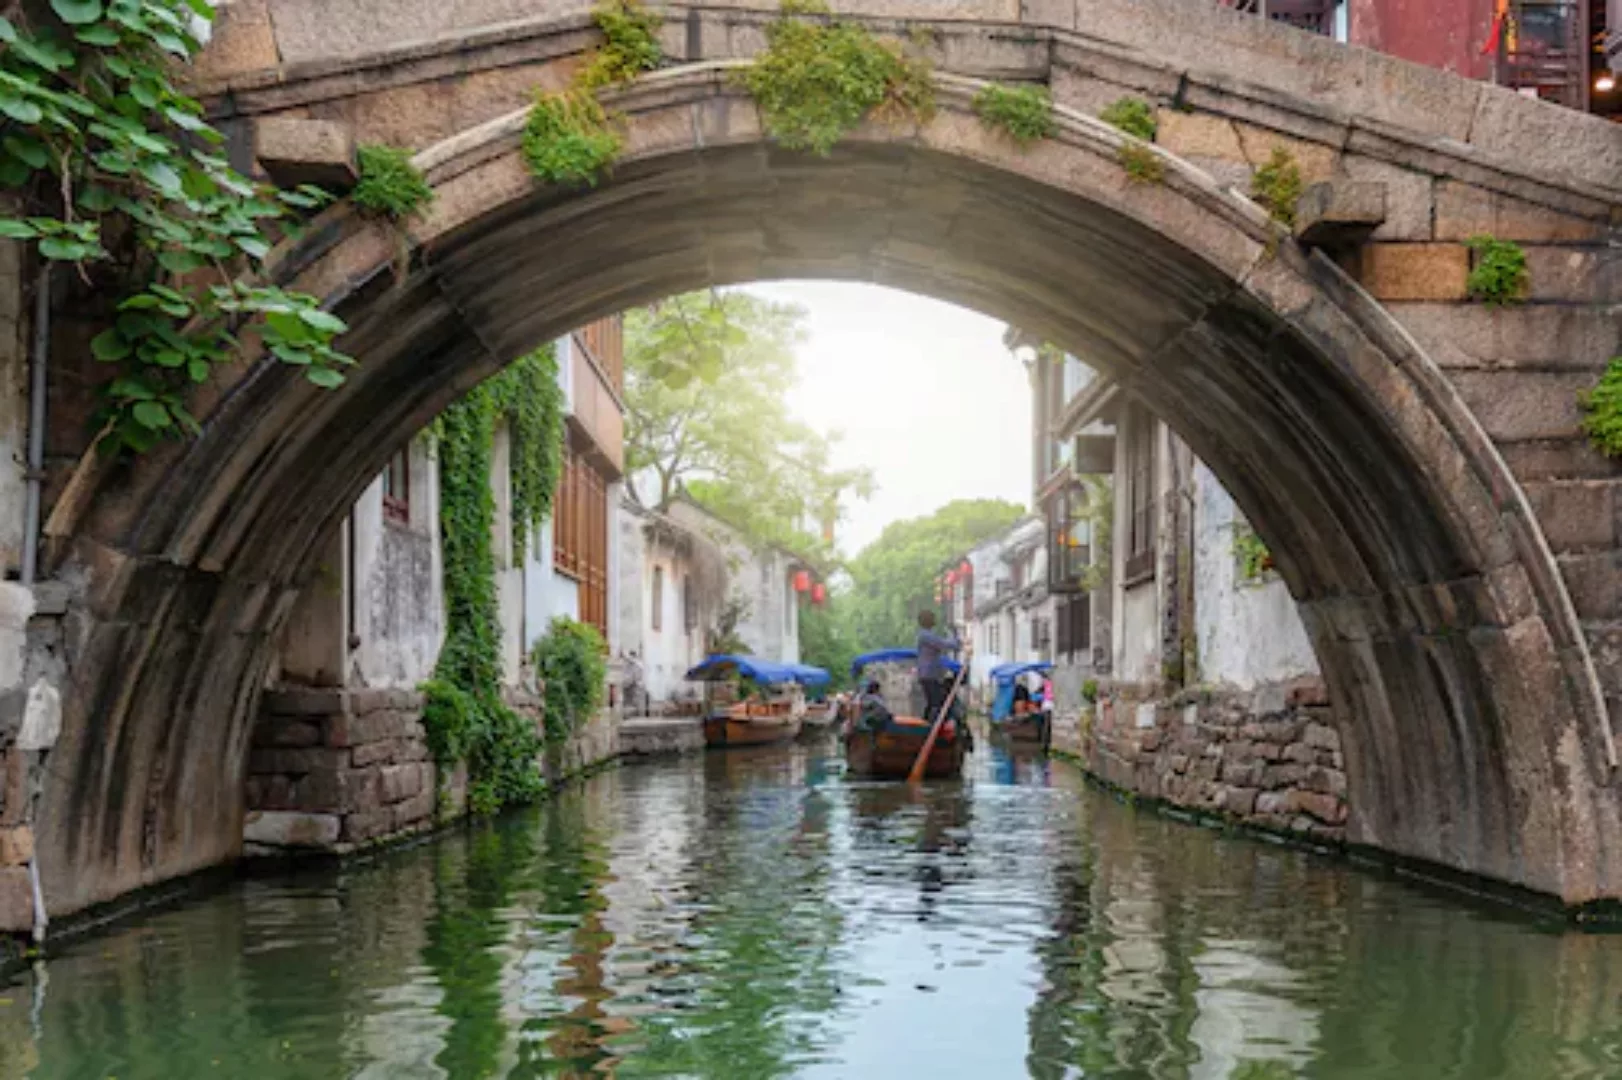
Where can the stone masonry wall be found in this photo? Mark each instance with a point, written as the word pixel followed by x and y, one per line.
pixel 1268 758
pixel 333 770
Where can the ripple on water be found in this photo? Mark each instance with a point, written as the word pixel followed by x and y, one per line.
pixel 756 914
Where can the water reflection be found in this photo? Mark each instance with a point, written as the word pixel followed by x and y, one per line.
pixel 755 914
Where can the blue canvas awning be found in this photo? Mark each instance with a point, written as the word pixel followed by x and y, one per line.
pixel 1005 674
pixel 894 656
pixel 765 672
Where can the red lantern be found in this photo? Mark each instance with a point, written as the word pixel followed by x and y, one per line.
pixel 819 593
pixel 802 580
pixel 965 570
pixel 951 577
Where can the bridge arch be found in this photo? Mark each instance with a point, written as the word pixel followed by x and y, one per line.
pixel 1474 730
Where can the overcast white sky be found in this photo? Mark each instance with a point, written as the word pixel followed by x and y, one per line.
pixel 924 392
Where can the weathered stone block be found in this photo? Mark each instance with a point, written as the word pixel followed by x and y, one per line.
pixel 382 752
pixel 1339 213
pixel 279 828
pixel 304 701
pixel 13 787
pixel 1463 211
pixel 1287 775
pixel 1200 135
pixel 286 732
pixel 1576 516
pixel 298 761
pixel 415 811
pixel 1321 737
pixel 1408 198
pixel 348 729
pixel 400 782
pixel 367 825
pixel 1300 752
pixel 1273 803
pixel 16 900
pixel 1239 800
pixel 16 845
pixel 1415 271
pixel 1325 808
pixel 1326 780
pixel 297 151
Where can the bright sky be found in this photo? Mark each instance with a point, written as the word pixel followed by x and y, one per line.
pixel 924 392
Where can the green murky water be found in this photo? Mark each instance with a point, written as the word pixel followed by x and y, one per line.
pixel 754 915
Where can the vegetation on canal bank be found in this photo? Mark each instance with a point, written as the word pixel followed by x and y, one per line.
pixel 820 78
pixel 118 173
pixel 569 138
pixel 465 717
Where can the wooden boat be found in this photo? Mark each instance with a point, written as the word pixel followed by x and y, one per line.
pixel 889 752
pixel 775 716
pixel 751 724
pixel 820 716
pixel 1026 727
pixel 1019 722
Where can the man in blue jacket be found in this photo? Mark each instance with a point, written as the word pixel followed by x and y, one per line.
pixel 932 674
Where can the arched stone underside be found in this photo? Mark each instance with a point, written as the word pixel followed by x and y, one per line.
pixel 1474 731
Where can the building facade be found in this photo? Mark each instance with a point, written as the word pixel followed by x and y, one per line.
pixel 341 757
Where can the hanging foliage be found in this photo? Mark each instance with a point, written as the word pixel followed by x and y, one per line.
pixel 119 174
pixel 465 716
pixel 571 661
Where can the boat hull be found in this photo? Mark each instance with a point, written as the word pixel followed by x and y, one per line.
pixel 890 754
pixel 721 731
pixel 1026 730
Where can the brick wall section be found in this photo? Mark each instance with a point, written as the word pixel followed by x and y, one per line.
pixel 335 769
pixel 16 842
pixel 1267 758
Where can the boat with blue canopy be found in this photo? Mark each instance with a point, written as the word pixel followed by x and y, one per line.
pixel 763 700
pixel 882 736
pixel 1017 714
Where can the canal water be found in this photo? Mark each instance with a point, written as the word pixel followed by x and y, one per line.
pixel 755 914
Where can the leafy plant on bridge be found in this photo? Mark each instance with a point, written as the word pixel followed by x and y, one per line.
pixel 1135 117
pixel 1132 115
pixel 820 78
pixel 570 139
pixel 1602 409
pixel 465 716
pixel 1277 185
pixel 570 661
pixel 1023 113
pixel 1254 557
pixel 390 186
pixel 119 174
pixel 1500 276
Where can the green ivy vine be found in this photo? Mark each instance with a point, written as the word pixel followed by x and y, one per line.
pixel 464 715
pixel 572 663
pixel 820 78
pixel 117 172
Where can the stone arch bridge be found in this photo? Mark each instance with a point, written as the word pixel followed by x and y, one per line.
pixel 1415 461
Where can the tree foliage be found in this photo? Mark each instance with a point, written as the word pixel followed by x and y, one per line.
pixel 892 579
pixel 705 377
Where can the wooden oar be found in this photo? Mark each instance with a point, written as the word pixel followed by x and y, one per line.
pixel 922 763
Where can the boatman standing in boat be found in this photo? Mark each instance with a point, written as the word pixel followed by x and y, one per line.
pixel 932 674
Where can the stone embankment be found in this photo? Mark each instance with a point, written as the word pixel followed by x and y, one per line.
pixel 333 771
pixel 1268 758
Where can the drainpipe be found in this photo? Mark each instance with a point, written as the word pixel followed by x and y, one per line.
pixel 36 475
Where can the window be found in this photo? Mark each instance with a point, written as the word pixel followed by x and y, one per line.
pixel 397 487
pixel 1140 478
pixel 580 536
pixel 1075 626
pixel 603 341
pixel 1042 637
pixel 658 598
pixel 1070 539
pixel 689 605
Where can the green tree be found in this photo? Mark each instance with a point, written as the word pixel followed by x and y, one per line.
pixel 705 375
pixel 893 577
